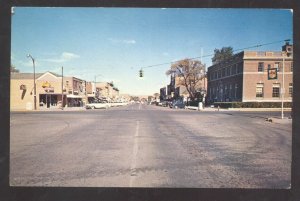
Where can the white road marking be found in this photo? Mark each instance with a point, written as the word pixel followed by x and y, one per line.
pixel 134 155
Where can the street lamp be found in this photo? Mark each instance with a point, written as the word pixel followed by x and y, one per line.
pixel 284 54
pixel 34 86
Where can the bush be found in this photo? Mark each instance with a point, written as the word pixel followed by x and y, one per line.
pixel 253 104
pixel 193 103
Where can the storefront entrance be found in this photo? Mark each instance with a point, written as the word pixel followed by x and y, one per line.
pixel 48 100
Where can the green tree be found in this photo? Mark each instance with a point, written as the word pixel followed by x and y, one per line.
pixel 222 54
pixel 190 73
pixel 13 69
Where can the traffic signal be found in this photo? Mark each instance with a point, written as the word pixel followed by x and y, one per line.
pixel 141 73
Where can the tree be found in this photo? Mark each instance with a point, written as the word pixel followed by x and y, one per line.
pixel 156 95
pixel 222 54
pixel 190 73
pixel 13 69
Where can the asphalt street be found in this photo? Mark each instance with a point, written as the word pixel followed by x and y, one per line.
pixel 149 146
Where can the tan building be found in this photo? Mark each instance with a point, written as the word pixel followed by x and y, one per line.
pixel 244 77
pixel 76 91
pixel 48 91
pixel 107 90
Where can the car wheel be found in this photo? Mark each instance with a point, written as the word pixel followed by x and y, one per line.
pixel 93 107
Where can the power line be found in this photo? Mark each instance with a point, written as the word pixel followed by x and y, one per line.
pixel 209 55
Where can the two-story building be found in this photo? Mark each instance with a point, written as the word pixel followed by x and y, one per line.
pixel 245 77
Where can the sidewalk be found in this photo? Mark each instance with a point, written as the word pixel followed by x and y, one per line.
pixel 239 109
pixel 64 109
pixel 52 109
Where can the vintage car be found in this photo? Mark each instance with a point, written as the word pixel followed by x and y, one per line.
pixel 97 105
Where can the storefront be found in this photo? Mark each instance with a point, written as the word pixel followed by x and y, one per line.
pixel 75 100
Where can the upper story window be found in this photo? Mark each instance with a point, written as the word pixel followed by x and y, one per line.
pixel 228 71
pixel 269 66
pixel 277 65
pixel 292 65
pixel 260 67
pixel 236 68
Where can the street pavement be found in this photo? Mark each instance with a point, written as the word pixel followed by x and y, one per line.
pixel 149 146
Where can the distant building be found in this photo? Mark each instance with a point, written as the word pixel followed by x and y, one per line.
pixel 163 93
pixel 177 90
pixel 107 90
pixel 244 77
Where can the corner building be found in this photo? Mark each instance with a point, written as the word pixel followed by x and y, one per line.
pixel 244 77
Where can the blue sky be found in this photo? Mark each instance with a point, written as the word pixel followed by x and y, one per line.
pixel 115 43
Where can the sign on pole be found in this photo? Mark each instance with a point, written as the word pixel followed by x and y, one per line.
pixel 272 73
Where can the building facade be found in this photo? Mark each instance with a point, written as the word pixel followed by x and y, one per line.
pixel 49 91
pixel 245 78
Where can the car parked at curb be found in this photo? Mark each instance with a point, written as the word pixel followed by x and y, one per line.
pixel 97 105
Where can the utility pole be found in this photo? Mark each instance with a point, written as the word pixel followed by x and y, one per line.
pixel 282 88
pixel 62 87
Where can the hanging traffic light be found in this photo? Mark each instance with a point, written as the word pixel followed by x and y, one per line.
pixel 141 73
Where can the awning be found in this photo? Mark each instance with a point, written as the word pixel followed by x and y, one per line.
pixel 74 96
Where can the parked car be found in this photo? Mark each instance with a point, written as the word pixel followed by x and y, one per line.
pixel 177 104
pixel 97 105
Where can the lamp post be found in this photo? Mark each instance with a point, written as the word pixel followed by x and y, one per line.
pixel 282 88
pixel 62 87
pixel 285 53
pixel 34 86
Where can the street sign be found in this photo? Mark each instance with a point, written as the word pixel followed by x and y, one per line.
pixel 272 73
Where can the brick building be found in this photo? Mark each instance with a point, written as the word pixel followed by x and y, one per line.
pixel 244 77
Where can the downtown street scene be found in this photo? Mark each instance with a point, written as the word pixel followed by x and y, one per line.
pixel 151 97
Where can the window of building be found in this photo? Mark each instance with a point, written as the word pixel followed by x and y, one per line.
pixel 240 68
pixel 259 90
pixel 260 67
pixel 223 72
pixel 291 89
pixel 236 68
pixel 235 90
pixel 228 71
pixel 269 66
pixel 232 70
pixel 292 66
pixel 230 90
pixel 277 66
pixel 276 90
pixel 219 74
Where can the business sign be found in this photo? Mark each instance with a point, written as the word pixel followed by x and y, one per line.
pixel 49 89
pixel 272 73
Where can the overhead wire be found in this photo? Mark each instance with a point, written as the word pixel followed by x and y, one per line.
pixel 209 55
